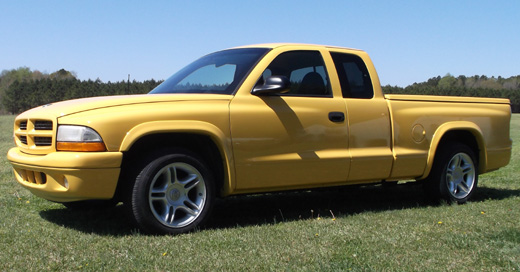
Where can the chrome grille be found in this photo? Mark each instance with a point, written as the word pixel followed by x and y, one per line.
pixel 35 136
pixel 23 125
pixel 42 125
pixel 43 141
pixel 23 139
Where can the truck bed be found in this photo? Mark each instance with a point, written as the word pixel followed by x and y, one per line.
pixel 438 98
pixel 418 121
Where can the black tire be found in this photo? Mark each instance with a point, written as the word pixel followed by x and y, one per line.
pixel 90 204
pixel 454 175
pixel 173 194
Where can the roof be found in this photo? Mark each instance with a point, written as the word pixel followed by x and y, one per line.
pixel 276 45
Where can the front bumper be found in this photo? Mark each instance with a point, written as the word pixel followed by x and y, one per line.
pixel 67 176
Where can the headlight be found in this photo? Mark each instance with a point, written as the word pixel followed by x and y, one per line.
pixel 78 138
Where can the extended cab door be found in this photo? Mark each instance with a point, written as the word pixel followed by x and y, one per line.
pixel 292 140
pixel 370 135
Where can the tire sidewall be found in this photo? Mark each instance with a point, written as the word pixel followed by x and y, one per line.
pixel 140 206
pixel 441 167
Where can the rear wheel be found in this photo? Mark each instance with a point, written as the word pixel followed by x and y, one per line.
pixel 173 194
pixel 454 175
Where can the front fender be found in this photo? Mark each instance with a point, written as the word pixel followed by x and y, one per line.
pixel 221 140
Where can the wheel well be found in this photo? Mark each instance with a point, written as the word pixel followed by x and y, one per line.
pixel 463 137
pixel 135 158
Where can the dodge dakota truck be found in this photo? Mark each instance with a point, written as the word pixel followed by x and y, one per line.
pixel 254 119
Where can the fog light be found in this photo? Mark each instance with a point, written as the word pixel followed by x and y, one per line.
pixel 65 183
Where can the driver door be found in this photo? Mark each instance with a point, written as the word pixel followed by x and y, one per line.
pixel 294 140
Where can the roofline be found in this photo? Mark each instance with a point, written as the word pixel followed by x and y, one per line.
pixel 277 45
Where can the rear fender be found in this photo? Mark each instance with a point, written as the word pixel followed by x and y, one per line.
pixel 445 128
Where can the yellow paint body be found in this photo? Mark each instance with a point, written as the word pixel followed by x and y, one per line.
pixel 267 143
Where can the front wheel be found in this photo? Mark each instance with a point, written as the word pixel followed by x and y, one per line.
pixel 454 175
pixel 173 194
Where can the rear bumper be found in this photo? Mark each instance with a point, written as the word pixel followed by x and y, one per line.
pixel 497 158
pixel 67 176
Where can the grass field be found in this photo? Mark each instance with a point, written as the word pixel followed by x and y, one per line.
pixel 350 229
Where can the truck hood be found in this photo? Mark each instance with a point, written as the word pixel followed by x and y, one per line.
pixel 68 107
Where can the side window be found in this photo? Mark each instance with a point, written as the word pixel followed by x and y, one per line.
pixel 353 76
pixel 305 70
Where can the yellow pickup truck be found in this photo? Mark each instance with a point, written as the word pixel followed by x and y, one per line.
pixel 253 119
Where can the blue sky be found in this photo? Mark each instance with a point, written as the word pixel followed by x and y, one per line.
pixel 409 41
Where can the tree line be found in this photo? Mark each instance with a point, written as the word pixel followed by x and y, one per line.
pixel 22 89
pixel 475 86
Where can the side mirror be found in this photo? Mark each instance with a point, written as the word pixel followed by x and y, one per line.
pixel 272 85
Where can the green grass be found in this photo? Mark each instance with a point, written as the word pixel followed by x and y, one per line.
pixel 371 228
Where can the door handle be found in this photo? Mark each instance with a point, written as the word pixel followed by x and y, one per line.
pixel 336 116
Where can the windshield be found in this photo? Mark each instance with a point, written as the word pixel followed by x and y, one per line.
pixel 217 73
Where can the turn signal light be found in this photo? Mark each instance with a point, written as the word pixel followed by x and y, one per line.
pixel 81 147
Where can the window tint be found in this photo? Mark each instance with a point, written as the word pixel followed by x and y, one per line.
pixel 353 76
pixel 305 70
pixel 218 73
pixel 209 77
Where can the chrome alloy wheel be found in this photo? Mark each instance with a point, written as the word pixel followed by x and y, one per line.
pixel 460 175
pixel 177 195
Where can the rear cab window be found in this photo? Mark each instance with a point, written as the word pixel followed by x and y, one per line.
pixel 353 76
